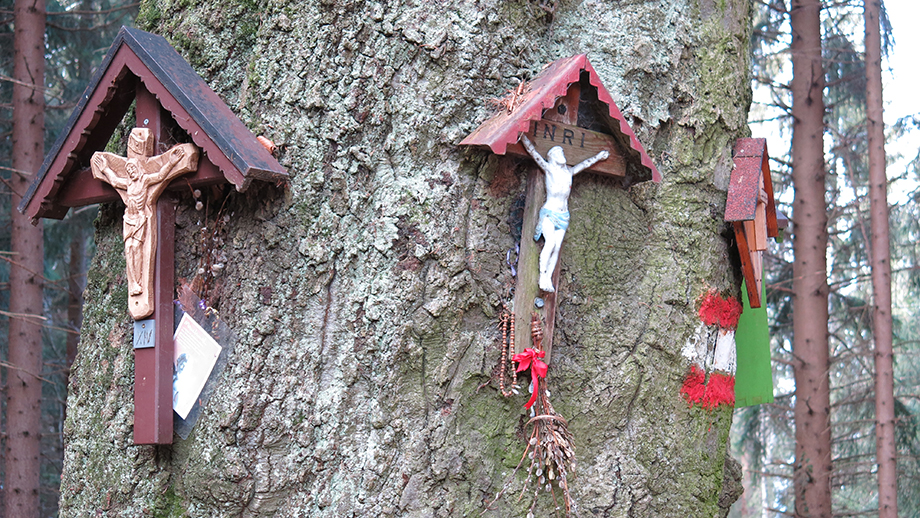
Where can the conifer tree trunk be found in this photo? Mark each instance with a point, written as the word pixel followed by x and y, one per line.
pixel 364 297
pixel 812 470
pixel 24 387
pixel 880 254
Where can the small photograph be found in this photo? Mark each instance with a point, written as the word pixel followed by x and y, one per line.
pixel 195 354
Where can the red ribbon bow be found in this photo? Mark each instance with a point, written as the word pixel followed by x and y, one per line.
pixel 530 359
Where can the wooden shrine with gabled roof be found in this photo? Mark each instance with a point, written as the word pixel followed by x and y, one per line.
pixel 751 209
pixel 184 135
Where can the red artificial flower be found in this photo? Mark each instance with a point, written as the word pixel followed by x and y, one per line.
pixel 530 359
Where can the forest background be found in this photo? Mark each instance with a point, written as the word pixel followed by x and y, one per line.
pixel 78 35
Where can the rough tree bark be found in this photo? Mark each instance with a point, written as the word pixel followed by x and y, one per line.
pixel 812 393
pixel 24 385
pixel 75 282
pixel 365 295
pixel 886 447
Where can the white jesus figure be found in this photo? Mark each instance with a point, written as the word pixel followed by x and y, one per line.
pixel 554 215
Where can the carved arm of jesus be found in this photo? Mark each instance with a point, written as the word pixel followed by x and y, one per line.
pixel 102 166
pixel 528 145
pixel 603 155
pixel 174 157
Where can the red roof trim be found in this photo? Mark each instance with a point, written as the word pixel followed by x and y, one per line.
pixel 751 162
pixel 541 93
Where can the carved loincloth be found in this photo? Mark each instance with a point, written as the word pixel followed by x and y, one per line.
pixel 560 221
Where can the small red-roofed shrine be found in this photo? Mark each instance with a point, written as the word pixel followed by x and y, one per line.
pixel 565 105
pixel 751 209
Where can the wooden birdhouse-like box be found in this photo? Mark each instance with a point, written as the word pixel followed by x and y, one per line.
pixel 751 209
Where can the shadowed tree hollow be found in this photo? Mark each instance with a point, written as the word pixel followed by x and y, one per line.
pixel 364 296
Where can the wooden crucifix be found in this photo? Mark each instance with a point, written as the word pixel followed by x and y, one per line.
pixel 140 179
pixel 560 140
pixel 566 107
pixel 153 351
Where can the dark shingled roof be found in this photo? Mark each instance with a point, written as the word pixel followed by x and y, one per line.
pixel 140 56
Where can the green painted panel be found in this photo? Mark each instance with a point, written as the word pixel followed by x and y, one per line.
pixel 753 375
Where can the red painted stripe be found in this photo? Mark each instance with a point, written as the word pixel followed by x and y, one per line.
pixel 694 386
pixel 715 310
pixel 720 390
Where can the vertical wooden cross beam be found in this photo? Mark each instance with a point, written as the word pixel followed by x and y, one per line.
pixel 153 376
pixel 526 289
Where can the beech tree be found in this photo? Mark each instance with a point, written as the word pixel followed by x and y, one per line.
pixel 365 295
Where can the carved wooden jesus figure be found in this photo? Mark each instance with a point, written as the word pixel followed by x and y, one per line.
pixel 140 179
pixel 554 215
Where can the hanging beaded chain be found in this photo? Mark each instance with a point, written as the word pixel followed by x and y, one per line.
pixel 507 325
pixel 550 449
pixel 536 331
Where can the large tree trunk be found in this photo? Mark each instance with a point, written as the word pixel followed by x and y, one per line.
pixel 812 393
pixel 886 448
pixel 365 296
pixel 24 384
pixel 76 279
